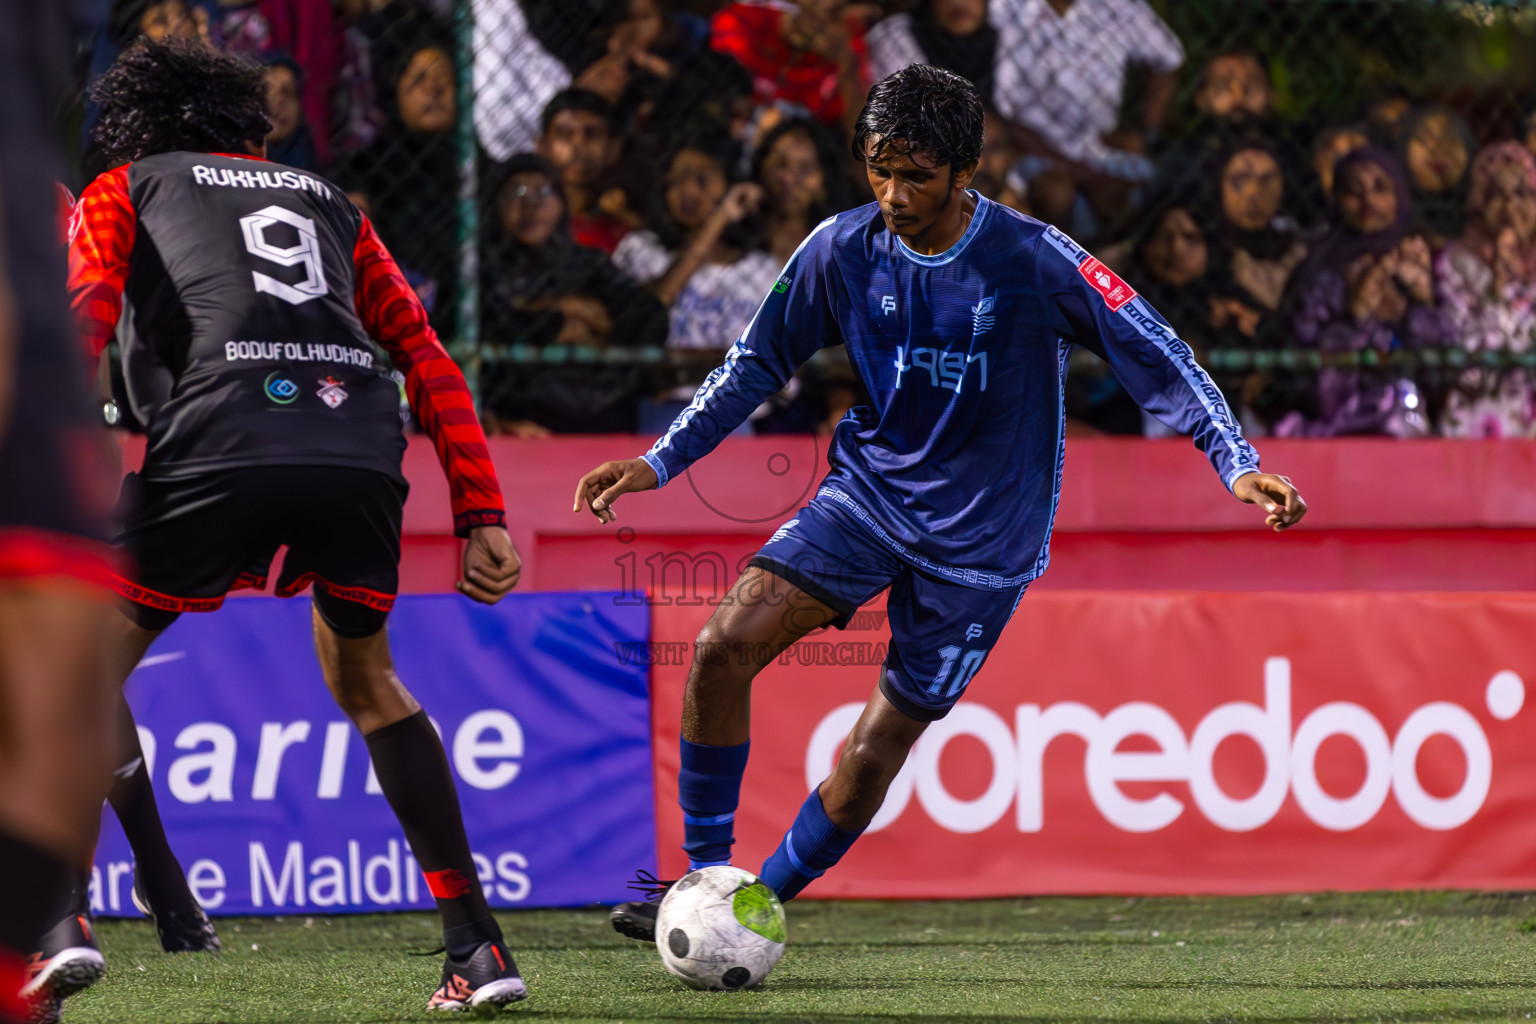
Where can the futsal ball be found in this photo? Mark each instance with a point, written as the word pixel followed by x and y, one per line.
pixel 720 928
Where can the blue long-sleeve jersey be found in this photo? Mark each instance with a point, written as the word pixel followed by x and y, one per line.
pixel 957 464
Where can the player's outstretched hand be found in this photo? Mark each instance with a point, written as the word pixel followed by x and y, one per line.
pixel 491 565
pixel 602 487
pixel 1275 495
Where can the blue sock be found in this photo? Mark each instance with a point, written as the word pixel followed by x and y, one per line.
pixel 708 788
pixel 811 845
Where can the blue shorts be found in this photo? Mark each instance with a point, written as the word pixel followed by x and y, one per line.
pixel 941 631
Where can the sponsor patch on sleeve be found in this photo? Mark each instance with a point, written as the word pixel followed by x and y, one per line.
pixel 1115 291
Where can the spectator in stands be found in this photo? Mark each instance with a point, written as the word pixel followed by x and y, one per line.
pixel 646 42
pixel 1387 115
pixel 1368 283
pixel 422 84
pixel 1256 246
pixel 1333 143
pixel 708 93
pixel 411 171
pixel 1233 99
pixel 800 167
pixel 289 142
pixel 1170 266
pixel 699 257
pixel 1059 81
pixel 356 119
pixel 1437 149
pixel 1487 285
pixel 1235 91
pixel 540 288
pixel 157 20
pixel 302 28
pixel 526 52
pixel 515 78
pixel 235 26
pixel 810 53
pixel 581 139
pixel 1175 266
pixel 951 34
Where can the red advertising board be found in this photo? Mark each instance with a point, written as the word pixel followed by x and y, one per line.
pixel 1470 527
pixel 1165 743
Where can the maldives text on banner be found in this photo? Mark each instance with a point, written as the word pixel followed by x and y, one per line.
pixel 271 803
pixel 1166 743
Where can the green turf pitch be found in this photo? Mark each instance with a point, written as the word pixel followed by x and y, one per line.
pixel 1403 956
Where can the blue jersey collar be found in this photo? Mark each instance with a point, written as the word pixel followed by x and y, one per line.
pixel 983 204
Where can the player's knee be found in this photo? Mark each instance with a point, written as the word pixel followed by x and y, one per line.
pixel 712 647
pixel 351 693
pixel 361 688
pixel 870 761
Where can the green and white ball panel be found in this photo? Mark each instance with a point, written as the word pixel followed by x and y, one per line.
pixel 720 928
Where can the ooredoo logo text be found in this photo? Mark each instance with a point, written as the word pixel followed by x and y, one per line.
pixel 1016 751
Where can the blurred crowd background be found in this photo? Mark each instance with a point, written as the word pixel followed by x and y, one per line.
pixel 1333 202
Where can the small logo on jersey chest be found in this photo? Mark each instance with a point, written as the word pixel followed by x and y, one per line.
pixel 887 304
pixel 982 319
pixel 280 389
pixel 1115 291
pixel 331 392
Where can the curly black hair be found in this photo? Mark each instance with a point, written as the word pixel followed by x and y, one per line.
pixel 922 109
pixel 178 95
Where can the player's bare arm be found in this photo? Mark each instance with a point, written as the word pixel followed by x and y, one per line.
pixel 602 487
pixel 1275 495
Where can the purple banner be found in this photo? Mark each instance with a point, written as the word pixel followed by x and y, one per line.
pixel 269 797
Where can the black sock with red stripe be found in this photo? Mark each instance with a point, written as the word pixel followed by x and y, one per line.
pixel 413 772
pixel 133 801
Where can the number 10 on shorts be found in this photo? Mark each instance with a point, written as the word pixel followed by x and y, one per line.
pixel 968 666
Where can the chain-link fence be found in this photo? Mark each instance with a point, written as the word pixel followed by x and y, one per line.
pixel 594 195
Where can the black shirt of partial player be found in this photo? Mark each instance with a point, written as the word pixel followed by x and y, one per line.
pixel 246 347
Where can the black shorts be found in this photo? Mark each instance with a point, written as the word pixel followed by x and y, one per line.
pixel 193 540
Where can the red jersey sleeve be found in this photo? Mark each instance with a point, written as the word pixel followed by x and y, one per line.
pixel 101 232
pixel 434 385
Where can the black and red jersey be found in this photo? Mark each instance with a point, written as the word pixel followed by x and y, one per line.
pixel 267 319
